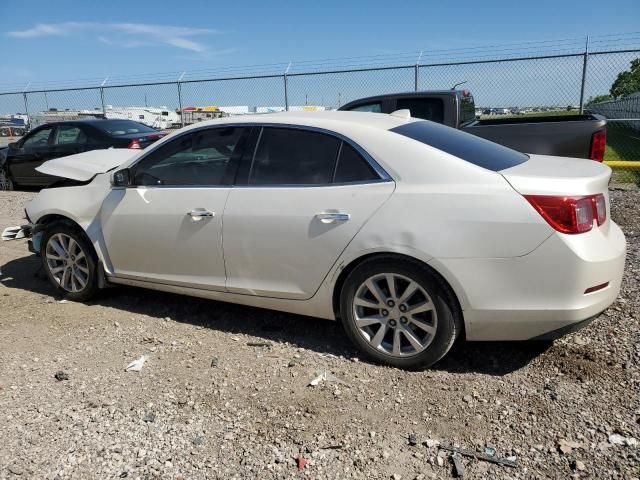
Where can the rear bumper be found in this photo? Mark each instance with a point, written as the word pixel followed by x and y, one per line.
pixel 541 294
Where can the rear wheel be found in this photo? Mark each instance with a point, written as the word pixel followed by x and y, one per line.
pixel 5 180
pixel 70 261
pixel 398 313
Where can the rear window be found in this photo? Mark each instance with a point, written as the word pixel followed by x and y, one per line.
pixel 424 108
pixel 463 145
pixel 123 127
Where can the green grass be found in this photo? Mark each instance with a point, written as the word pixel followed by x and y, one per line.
pixel 623 143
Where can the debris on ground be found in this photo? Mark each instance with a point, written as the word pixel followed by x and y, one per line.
pixel 60 376
pixel 507 462
pixel 458 467
pixel 258 344
pixel 567 446
pixel 326 376
pixel 149 417
pixel 301 462
pixel 413 439
pixel 136 365
pixel 215 361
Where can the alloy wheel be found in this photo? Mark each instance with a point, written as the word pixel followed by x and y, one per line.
pixel 395 314
pixel 67 262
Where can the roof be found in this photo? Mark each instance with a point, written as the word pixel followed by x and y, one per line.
pixel 331 120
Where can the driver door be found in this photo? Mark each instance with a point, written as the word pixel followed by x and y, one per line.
pixel 167 226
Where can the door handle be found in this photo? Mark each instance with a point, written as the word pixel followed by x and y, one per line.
pixel 333 217
pixel 198 214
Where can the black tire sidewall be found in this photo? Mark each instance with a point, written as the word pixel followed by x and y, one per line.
pixel 92 262
pixel 446 332
pixel 10 185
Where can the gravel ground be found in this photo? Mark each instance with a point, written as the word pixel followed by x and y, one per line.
pixel 212 401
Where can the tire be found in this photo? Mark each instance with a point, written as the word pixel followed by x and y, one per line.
pixel 409 330
pixel 70 261
pixel 6 184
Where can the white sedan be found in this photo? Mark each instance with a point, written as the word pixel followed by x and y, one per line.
pixel 408 232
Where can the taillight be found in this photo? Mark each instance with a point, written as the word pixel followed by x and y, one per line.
pixel 599 208
pixel 598 144
pixel 570 214
pixel 134 144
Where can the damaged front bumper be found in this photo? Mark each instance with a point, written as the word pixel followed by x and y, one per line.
pixel 24 231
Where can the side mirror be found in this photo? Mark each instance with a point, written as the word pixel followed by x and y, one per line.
pixel 121 178
pixel 13 145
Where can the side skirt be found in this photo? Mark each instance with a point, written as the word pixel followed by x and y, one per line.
pixel 300 307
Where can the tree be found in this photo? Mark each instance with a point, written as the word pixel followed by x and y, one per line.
pixel 627 81
pixel 599 98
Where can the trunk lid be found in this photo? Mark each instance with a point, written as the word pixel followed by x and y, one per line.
pixel 548 175
pixel 84 166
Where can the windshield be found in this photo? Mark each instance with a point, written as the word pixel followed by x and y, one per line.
pixel 123 127
pixel 463 145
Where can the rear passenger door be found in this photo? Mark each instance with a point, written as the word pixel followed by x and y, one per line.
pixel 68 140
pixel 300 198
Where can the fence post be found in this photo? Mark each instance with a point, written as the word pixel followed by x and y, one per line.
pixel 180 99
pixel 26 109
pixel 584 74
pixel 415 73
pixel 286 92
pixel 104 109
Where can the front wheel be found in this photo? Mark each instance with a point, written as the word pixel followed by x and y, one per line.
pixel 398 313
pixel 70 261
pixel 6 184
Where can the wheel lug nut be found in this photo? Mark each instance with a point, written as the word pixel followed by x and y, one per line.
pixel 392 323
pixel 385 313
pixel 403 319
pixel 391 303
pixel 403 308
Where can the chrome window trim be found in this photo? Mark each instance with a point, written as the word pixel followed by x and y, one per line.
pixel 384 176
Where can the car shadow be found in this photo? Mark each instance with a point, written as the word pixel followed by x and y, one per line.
pixel 491 358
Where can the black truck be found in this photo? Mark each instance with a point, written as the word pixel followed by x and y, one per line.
pixel 580 136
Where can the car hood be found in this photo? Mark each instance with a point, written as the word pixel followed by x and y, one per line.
pixel 84 166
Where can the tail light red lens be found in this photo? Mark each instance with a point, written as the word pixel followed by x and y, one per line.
pixel 598 145
pixel 570 215
pixel 134 144
pixel 600 208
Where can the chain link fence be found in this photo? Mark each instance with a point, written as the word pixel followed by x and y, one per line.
pixel 565 83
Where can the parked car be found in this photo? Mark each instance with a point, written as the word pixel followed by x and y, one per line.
pixel 580 136
pixel 410 232
pixel 18 161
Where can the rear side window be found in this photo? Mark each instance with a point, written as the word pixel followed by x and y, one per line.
pixel 463 145
pixel 425 108
pixel 352 167
pixel 375 107
pixel 288 156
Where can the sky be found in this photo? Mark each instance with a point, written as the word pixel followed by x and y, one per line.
pixel 64 40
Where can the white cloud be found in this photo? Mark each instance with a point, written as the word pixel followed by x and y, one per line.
pixel 126 35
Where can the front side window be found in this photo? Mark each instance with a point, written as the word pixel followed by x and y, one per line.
pixel 286 156
pixel 204 157
pixel 67 135
pixel 38 139
pixel 375 107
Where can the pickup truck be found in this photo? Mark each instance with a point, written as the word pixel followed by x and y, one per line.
pixel 580 136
